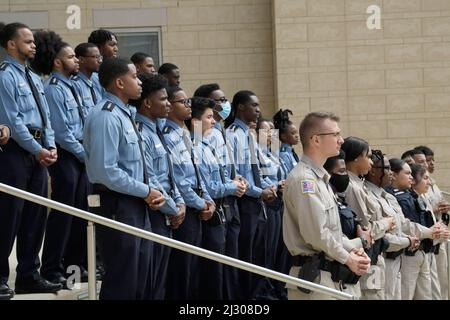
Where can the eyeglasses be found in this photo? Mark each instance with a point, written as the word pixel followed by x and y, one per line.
pixel 186 102
pixel 98 57
pixel 334 134
pixel 222 100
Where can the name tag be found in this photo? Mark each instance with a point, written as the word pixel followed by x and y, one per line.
pixel 22 85
pixel 159 145
pixel 130 131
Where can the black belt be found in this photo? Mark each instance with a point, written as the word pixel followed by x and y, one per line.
pixel 325 265
pixel 394 254
pixel 98 187
pixel 36 133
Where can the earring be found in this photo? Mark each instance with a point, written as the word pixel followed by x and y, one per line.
pixel 356 160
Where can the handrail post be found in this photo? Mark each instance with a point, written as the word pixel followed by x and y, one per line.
pixel 448 268
pixel 92 265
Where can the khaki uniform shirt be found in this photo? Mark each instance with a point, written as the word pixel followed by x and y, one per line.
pixel 368 211
pixel 311 219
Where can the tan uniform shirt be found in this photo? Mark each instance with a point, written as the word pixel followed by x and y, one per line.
pixel 311 219
pixel 435 196
pixel 397 239
pixel 368 211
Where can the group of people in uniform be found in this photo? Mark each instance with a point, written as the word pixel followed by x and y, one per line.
pixel 361 223
pixel 128 143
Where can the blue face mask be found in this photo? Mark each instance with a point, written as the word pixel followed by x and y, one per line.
pixel 226 110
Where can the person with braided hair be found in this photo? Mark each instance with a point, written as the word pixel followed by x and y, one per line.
pixel 289 137
pixel 69 180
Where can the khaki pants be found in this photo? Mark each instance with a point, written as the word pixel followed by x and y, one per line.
pixel 393 279
pixel 325 280
pixel 435 286
pixel 373 282
pixel 416 278
pixel 441 263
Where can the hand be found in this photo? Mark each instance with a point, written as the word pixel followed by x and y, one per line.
pixel 269 194
pixel 241 188
pixel 442 207
pixel 391 223
pixel 366 234
pixel 436 231
pixel 45 158
pixel 415 243
pixel 281 185
pixel 242 179
pixel 155 199
pixel 357 262
pixel 4 135
pixel 176 221
pixel 208 211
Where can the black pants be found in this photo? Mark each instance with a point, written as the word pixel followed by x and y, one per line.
pixel 20 218
pixel 126 258
pixel 156 289
pixel 231 274
pixel 252 245
pixel 182 279
pixel 211 272
pixel 283 261
pixel 69 186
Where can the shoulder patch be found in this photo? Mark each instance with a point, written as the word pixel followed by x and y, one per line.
pixel 54 81
pixel 308 186
pixel 3 66
pixel 167 129
pixel 109 106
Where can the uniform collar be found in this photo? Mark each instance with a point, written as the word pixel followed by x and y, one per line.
pixel 15 63
pixel 285 147
pixel 146 121
pixel 61 77
pixel 354 178
pixel 319 171
pixel 83 77
pixel 374 189
pixel 114 99
pixel 218 126
pixel 241 124
pixel 179 130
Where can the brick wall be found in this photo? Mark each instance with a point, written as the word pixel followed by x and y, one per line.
pixel 390 86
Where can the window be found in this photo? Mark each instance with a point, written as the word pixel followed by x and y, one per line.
pixel 134 40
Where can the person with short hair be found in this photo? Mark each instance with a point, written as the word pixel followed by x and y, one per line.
pixel 25 158
pixel 144 63
pixel 311 226
pixel 171 72
pixel 122 190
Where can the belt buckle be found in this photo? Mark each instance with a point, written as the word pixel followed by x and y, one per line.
pixel 38 134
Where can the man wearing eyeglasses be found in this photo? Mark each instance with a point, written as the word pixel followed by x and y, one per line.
pixel 89 60
pixel 311 226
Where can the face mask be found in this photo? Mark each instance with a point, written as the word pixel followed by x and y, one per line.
pixel 226 110
pixel 340 182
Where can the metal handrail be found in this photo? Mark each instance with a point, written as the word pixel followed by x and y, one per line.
pixel 93 218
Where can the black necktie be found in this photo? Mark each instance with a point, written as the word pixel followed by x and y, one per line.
pixel 254 165
pixel 36 96
pixel 169 161
pixel 189 146
pixel 94 97
pixel 295 155
pixel 230 154
pixel 222 173
pixel 75 96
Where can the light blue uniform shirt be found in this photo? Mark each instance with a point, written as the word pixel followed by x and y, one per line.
pixel 18 109
pixel 237 137
pixel 113 157
pixel 64 114
pixel 83 86
pixel 157 165
pixel 99 90
pixel 272 167
pixel 217 142
pixel 210 171
pixel 287 156
pixel 184 171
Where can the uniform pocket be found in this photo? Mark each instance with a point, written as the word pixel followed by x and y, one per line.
pixel 332 216
pixel 71 110
pixel 132 152
pixel 159 159
pixel 26 100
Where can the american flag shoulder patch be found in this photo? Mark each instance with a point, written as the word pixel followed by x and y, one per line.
pixel 308 186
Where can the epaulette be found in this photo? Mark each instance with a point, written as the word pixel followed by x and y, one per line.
pixel 167 129
pixel 3 66
pixel 54 81
pixel 233 127
pixel 283 149
pixel 109 106
pixel 398 192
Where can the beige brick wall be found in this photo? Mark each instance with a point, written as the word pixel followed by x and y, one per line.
pixel 225 41
pixel 390 86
